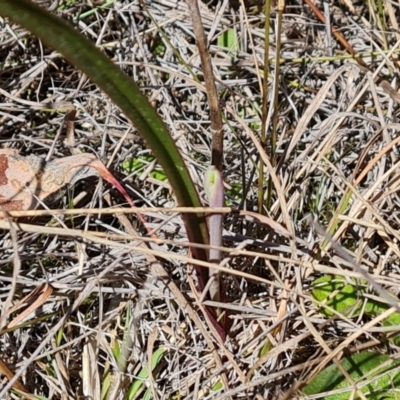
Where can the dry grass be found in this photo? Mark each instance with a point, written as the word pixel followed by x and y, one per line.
pixel 338 163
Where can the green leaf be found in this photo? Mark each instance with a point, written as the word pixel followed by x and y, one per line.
pixel 347 298
pixel 374 308
pixel 148 394
pixel 218 386
pixel 116 350
pixel 266 348
pixel 106 381
pixel 144 374
pixel 339 294
pixel 375 381
pixel 229 40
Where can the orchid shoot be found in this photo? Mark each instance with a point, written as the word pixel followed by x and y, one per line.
pixel 214 187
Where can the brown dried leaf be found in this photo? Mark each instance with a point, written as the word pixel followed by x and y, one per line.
pixel 26 180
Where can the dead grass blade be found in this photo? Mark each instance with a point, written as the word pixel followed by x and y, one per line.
pixel 39 296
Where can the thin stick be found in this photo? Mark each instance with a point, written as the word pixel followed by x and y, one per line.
pixel 217 151
pixel 281 7
pixel 264 105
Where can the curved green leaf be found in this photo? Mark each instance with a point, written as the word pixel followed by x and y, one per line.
pixel 376 376
pixel 347 297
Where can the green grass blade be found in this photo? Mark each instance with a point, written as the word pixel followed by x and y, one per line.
pixel 144 373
